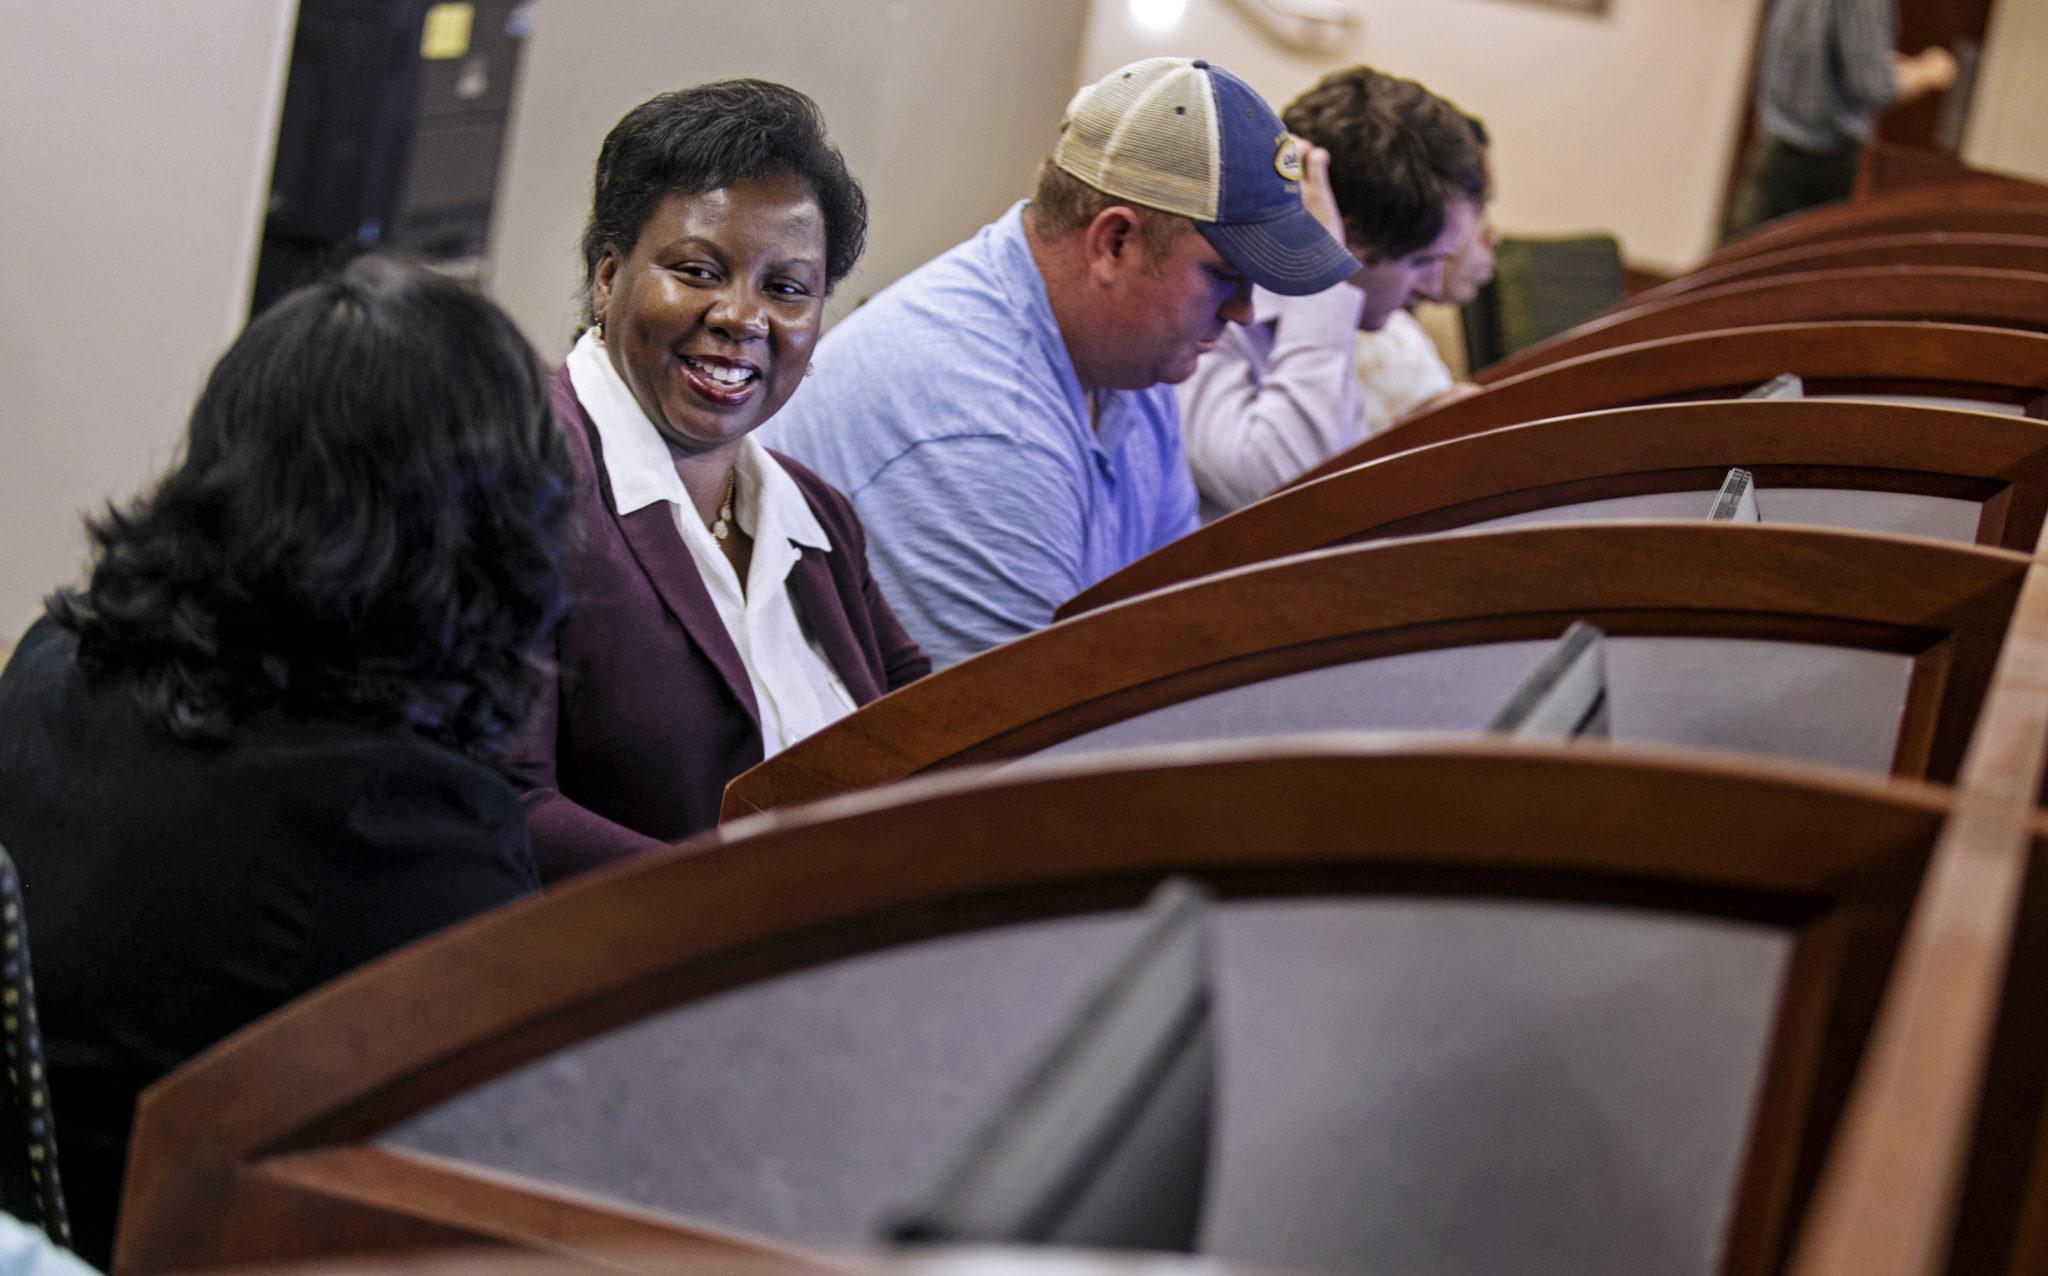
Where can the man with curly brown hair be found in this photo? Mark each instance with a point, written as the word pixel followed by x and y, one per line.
pixel 1407 185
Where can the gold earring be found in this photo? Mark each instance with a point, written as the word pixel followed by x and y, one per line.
pixel 597 331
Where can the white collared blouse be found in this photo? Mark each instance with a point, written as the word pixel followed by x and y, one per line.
pixel 796 688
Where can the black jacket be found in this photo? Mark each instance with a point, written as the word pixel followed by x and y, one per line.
pixel 177 892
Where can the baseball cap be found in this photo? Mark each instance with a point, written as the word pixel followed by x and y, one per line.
pixel 1185 137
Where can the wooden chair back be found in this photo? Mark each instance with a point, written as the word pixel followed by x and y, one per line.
pixel 266 1147
pixel 1988 366
pixel 1890 168
pixel 1938 248
pixel 1304 642
pixel 1904 213
pixel 1968 295
pixel 1979 474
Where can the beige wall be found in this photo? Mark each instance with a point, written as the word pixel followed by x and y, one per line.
pixel 2009 116
pixel 942 107
pixel 135 140
pixel 1622 122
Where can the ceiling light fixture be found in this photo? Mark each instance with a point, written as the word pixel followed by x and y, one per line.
pixel 1158 15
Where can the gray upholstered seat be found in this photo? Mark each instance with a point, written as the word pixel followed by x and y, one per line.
pixel 1549 1089
pixel 1946 518
pixel 1817 704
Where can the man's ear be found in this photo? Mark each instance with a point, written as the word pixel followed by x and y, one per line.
pixel 1114 241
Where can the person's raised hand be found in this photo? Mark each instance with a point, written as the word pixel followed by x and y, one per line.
pixel 1928 71
pixel 1316 194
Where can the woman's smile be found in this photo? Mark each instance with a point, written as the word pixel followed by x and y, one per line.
pixel 711 318
pixel 721 381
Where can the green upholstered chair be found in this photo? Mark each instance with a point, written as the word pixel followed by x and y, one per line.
pixel 1540 288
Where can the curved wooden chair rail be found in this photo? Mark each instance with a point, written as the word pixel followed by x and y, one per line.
pixel 1999 460
pixel 260 1149
pixel 1889 168
pixel 1904 213
pixel 1990 365
pixel 1946 603
pixel 1926 248
pixel 1987 298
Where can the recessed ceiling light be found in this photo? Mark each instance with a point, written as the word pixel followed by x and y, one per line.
pixel 1158 15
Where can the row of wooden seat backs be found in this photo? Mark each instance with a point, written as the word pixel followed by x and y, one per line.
pixel 1892 168
pixel 2006 1180
pixel 1817 1254
pixel 1919 248
pixel 255 1151
pixel 1898 1168
pixel 1946 604
pixel 1900 1164
pixel 313 1198
pixel 263 1148
pixel 1872 357
pixel 1998 298
pixel 1912 208
pixel 1984 1231
pixel 1293 529
pixel 1905 212
pixel 1942 1162
pixel 2000 461
pixel 362 1187
pixel 287 1199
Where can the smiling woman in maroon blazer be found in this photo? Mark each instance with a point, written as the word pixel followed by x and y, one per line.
pixel 721 606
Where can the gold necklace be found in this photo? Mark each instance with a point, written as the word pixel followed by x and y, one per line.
pixel 723 527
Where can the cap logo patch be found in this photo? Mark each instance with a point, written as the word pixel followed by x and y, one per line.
pixel 1287 160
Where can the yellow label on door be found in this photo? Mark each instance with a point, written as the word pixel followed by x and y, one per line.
pixel 446 32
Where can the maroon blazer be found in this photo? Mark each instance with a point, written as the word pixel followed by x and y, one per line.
pixel 650 710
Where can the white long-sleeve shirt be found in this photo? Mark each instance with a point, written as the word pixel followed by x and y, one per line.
pixel 1282 394
pixel 1274 397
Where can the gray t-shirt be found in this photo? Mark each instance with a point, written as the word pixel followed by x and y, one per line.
pixel 1826 72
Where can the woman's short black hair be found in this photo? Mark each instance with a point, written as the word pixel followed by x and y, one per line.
pixel 1398 154
pixel 707 138
pixel 368 523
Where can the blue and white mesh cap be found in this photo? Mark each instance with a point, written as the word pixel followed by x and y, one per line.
pixel 1188 138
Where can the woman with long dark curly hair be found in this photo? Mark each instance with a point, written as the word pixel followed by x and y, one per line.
pixel 258 747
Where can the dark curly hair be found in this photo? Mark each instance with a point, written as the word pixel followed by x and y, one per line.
pixel 1398 153
pixel 705 139
pixel 368 524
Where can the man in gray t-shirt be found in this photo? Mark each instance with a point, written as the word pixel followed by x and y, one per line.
pixel 1828 69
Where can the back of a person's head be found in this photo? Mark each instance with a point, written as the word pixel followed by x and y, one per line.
pixel 367 524
pixel 1398 153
